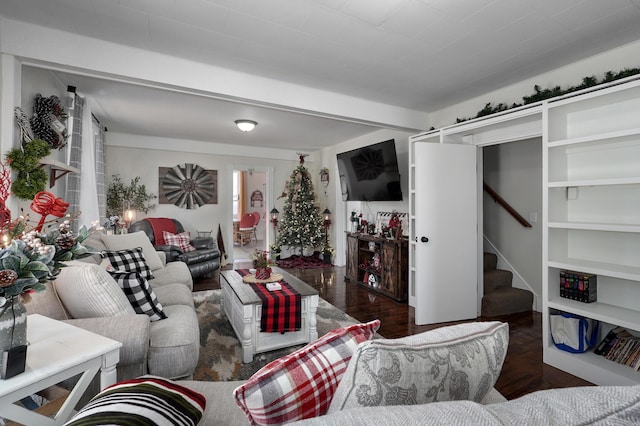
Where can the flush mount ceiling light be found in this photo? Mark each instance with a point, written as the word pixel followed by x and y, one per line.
pixel 246 125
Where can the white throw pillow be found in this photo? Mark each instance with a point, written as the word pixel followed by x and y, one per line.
pixel 88 291
pixel 459 362
pixel 133 240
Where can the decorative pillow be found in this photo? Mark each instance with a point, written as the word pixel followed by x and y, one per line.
pixel 460 362
pixel 130 260
pixel 147 400
pixel 300 385
pixel 134 239
pixel 88 291
pixel 140 294
pixel 182 240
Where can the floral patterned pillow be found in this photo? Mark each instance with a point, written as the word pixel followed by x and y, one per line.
pixel 460 362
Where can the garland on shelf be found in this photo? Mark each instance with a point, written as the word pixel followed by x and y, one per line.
pixel 542 94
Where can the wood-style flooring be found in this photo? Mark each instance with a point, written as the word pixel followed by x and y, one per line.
pixel 523 371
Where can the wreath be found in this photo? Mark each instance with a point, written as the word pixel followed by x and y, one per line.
pixel 47 122
pixel 31 179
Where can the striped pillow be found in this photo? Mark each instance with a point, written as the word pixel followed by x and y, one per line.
pixel 300 385
pixel 145 400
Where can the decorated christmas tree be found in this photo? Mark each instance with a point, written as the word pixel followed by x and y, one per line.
pixel 301 225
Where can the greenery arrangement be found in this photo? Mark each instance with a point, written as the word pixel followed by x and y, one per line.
pixel 31 178
pixel 261 259
pixel 121 197
pixel 542 94
pixel 35 258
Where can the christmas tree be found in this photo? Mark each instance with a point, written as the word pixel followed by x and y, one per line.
pixel 301 225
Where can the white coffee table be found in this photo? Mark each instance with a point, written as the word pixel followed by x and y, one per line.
pixel 58 351
pixel 243 307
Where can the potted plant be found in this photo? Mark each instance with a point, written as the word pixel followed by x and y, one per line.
pixel 262 264
pixel 327 254
pixel 122 197
pixel 274 251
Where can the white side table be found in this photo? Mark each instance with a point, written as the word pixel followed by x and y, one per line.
pixel 58 351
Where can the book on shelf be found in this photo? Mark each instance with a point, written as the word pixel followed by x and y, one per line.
pixel 609 340
pixel 620 346
pixel 579 286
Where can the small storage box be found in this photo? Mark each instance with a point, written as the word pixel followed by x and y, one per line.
pixel 579 286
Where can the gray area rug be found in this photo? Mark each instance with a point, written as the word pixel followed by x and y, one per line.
pixel 220 350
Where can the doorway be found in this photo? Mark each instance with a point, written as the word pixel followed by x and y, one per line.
pixel 249 196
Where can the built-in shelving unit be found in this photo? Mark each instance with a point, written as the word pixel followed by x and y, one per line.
pixel 591 207
pixel 591 201
pixel 57 169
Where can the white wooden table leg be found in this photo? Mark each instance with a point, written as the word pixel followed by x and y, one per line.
pixel 313 322
pixel 247 340
pixel 108 372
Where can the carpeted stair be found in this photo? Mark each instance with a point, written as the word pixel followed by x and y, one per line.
pixel 500 298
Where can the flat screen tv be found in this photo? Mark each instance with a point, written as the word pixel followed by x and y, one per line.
pixel 370 173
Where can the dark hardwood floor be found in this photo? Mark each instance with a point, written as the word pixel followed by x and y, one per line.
pixel 523 370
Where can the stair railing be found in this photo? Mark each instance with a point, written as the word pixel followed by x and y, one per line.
pixel 498 199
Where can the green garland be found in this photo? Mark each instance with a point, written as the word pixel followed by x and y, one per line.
pixel 540 95
pixel 31 179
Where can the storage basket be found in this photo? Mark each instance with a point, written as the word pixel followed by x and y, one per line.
pixel 573 333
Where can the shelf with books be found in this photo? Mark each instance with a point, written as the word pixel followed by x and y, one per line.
pixel 591 199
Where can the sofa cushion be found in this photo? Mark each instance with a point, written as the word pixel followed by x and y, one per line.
pixel 46 303
pixel 174 345
pixel 129 260
pixel 88 291
pixel 300 385
pixel 182 240
pixel 135 239
pixel 140 295
pixel 221 408
pixel 172 273
pixel 591 405
pixel 146 400
pixel 460 362
pixel 174 294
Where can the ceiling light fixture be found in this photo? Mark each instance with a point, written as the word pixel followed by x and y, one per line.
pixel 246 125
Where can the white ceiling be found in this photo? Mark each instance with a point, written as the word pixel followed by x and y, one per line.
pixel 417 54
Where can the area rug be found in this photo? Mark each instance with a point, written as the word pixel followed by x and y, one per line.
pixel 220 350
pixel 303 262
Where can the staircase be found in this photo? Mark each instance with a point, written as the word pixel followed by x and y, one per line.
pixel 500 298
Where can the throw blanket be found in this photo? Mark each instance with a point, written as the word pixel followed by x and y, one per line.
pixel 281 309
pixel 159 224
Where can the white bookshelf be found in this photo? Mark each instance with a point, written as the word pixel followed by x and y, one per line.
pixel 591 219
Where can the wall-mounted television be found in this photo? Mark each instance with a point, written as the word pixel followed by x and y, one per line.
pixel 370 173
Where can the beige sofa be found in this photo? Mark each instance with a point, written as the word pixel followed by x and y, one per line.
pixel 593 405
pixel 85 295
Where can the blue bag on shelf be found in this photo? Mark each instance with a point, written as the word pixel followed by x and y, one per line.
pixel 573 333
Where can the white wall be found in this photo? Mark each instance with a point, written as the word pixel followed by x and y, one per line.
pixel 626 56
pixel 132 162
pixel 342 209
pixel 514 171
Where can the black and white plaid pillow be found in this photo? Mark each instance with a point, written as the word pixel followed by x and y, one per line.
pixel 129 260
pixel 140 294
